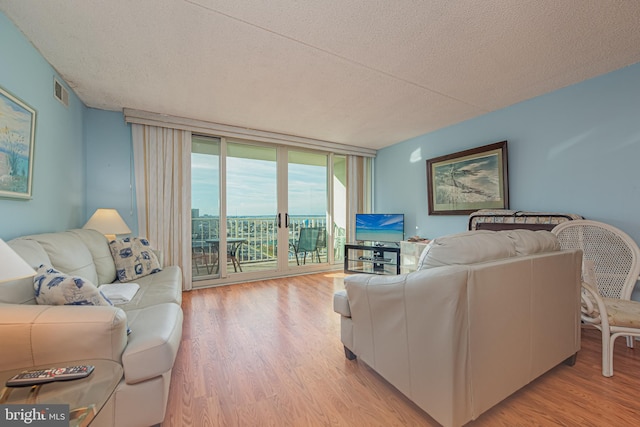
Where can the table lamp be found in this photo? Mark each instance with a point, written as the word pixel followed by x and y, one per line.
pixel 108 222
pixel 12 266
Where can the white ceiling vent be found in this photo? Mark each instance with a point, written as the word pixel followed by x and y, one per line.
pixel 60 92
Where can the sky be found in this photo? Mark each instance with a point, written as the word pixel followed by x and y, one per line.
pixel 251 187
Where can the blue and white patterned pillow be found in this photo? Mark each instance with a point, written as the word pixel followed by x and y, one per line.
pixel 133 258
pixel 55 288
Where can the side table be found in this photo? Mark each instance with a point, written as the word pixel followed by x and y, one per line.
pixel 85 396
pixel 410 254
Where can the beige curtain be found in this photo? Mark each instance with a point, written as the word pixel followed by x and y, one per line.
pixel 162 163
pixel 359 190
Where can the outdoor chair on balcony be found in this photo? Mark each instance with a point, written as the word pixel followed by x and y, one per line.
pixel 307 243
pixel 203 257
pixel 321 243
pixel 233 245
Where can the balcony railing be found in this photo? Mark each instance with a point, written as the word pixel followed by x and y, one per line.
pixel 260 234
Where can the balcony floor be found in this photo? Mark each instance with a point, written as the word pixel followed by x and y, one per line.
pixel 201 271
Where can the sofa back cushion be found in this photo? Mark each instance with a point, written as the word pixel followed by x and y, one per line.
pixel 471 247
pixel 529 242
pixel 68 254
pixel 99 247
pixel 30 251
pixel 21 291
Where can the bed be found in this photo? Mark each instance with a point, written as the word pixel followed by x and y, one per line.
pixel 504 219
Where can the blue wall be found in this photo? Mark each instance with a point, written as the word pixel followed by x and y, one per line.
pixel 110 178
pixel 58 170
pixel 575 150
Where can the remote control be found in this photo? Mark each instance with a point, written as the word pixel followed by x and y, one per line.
pixel 41 376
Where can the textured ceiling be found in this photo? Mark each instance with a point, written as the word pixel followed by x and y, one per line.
pixel 359 72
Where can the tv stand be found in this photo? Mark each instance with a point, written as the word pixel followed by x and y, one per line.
pixel 372 259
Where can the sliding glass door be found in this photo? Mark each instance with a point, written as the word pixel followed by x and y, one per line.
pixel 252 205
pixel 205 206
pixel 307 207
pixel 263 210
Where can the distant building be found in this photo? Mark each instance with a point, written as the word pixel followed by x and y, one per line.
pixel 195 213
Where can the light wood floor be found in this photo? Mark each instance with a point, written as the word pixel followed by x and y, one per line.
pixel 269 354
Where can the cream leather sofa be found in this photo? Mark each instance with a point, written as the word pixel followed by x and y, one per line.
pixel 34 334
pixel 488 312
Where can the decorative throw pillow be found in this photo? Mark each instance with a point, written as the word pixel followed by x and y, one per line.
pixel 133 258
pixel 55 288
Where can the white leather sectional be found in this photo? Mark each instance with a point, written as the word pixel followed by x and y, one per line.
pixel 487 313
pixel 34 334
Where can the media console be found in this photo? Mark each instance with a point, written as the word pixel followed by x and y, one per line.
pixel 372 259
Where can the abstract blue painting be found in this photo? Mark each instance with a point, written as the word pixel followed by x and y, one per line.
pixel 17 135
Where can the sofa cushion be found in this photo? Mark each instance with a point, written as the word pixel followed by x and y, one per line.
pixel 529 242
pixel 161 287
pixel 98 245
pixel 30 251
pixel 68 254
pixel 469 247
pixel 133 258
pixel 55 288
pixel 21 291
pixel 152 347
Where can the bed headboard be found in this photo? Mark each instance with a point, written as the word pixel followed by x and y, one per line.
pixel 508 220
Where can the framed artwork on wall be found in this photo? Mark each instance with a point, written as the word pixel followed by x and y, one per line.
pixel 17 136
pixel 463 182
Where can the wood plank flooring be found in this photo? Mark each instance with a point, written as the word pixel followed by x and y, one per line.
pixel 268 353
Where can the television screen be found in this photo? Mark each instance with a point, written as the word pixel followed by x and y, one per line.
pixel 380 227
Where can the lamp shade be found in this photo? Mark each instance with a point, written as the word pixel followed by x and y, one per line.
pixel 12 266
pixel 108 222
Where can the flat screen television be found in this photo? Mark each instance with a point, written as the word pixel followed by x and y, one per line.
pixel 380 227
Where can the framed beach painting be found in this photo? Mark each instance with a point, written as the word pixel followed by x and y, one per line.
pixel 463 182
pixel 17 136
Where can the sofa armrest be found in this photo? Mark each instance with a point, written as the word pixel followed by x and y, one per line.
pixel 41 334
pixel 390 311
pixel 415 326
pixel 341 303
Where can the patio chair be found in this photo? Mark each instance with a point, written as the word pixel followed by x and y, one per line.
pixel 610 268
pixel 203 256
pixel 307 243
pixel 321 243
pixel 233 245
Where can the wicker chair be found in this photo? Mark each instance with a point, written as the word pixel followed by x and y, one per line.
pixel 610 269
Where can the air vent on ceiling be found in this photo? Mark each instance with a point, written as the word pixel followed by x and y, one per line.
pixel 60 92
